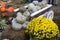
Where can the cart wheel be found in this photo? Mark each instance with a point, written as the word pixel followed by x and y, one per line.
pixel 50 15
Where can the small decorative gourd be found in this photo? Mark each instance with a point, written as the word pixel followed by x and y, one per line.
pixel 25 24
pixel 10 9
pixel 38 7
pixel 20 18
pixel 32 8
pixel 3 9
pixel 35 2
pixel 26 13
pixel 15 25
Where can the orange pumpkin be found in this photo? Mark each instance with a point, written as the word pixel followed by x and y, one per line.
pixel 3 4
pixel 0 4
pixel 10 9
pixel 3 15
pixel 2 9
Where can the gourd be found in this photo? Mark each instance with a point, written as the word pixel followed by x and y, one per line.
pixel 18 26
pixel 38 7
pixel 3 4
pixel 3 9
pixel 4 15
pixel 26 13
pixel 25 24
pixel 15 25
pixel 35 2
pixel 10 9
pixel 32 8
pixel 20 18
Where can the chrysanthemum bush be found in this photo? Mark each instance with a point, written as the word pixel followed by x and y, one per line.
pixel 41 28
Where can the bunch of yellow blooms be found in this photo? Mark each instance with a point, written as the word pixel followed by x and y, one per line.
pixel 41 28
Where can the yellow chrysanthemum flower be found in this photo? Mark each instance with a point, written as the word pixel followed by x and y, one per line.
pixel 42 28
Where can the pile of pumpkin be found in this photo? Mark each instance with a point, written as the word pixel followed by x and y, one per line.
pixel 4 8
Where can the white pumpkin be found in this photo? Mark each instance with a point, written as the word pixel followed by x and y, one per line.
pixel 20 18
pixel 26 14
pixel 32 8
pixel 35 2
pixel 19 13
pixel 44 3
pixel 25 24
pixel 38 7
pixel 15 25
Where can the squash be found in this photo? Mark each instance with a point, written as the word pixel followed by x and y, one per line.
pixel 35 2
pixel 3 4
pixel 15 25
pixel 10 9
pixel 4 15
pixel 3 9
pixel 32 8
pixel 20 18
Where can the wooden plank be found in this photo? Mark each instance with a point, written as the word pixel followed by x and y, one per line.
pixel 40 12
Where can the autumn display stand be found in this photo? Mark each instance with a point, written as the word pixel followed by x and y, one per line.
pixel 16 30
pixel 12 34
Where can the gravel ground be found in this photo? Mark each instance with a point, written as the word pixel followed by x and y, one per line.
pixel 57 14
